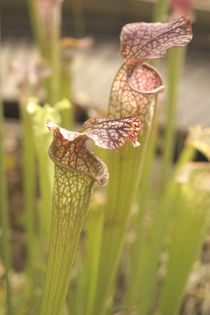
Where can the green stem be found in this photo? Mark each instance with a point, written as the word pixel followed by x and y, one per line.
pixel 125 167
pixel 36 25
pixel 78 18
pixel 46 183
pixel 55 62
pixel 160 10
pixel 28 163
pixel 191 222
pixel 72 192
pixel 49 45
pixel 95 229
pixel 66 111
pixel 159 14
pixel 148 245
pixel 132 292
pixel 175 64
pixel 4 216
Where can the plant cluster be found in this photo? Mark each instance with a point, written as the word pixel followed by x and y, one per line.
pixel 87 242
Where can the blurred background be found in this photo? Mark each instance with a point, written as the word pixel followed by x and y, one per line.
pixel 94 69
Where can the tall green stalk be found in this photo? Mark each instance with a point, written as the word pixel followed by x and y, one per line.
pixel 76 170
pixel 134 86
pixel 46 18
pixel 147 248
pixel 38 117
pixel 46 25
pixel 191 220
pixel 34 18
pixel 119 200
pixel 4 216
pixel 160 10
pixel 175 65
pixel 54 57
pixel 28 164
pixel 132 291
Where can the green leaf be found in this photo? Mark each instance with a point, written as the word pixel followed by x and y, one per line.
pixel 190 223
pixel 199 138
pixel 39 116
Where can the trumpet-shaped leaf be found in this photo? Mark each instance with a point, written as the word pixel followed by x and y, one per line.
pixel 76 170
pixel 136 85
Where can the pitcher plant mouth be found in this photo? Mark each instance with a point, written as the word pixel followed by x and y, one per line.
pixel 137 83
pixel 69 149
pixel 145 79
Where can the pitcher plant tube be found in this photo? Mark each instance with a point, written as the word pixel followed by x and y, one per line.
pixel 76 170
pixel 136 84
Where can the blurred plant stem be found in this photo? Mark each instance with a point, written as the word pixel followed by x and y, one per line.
pixel 160 10
pixel 38 117
pixel 66 111
pixel 4 216
pixel 36 25
pixel 175 63
pixel 49 46
pixel 54 58
pixel 132 291
pixel 48 37
pixel 28 169
pixel 147 247
pixel 176 57
pixel 78 18
pixel 191 220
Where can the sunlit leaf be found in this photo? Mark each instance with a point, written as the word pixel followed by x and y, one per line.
pixel 199 138
pixel 39 115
